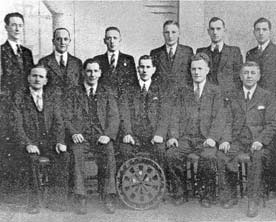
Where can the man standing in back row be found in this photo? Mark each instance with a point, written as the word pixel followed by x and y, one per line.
pixel 172 59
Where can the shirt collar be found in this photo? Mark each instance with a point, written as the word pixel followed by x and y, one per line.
pixel 252 90
pixel 36 93
pixel 173 48
pixel 13 44
pixel 147 84
pixel 201 86
pixel 116 53
pixel 88 88
pixel 58 55
pixel 220 46
pixel 263 46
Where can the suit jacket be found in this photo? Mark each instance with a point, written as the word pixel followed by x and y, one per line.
pixel 178 73
pixel 267 64
pixel 229 67
pixel 76 111
pixel 212 119
pixel 13 78
pixel 259 116
pixel 56 77
pixel 26 119
pixel 124 74
pixel 158 111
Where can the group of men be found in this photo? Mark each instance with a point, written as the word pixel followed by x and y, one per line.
pixel 209 107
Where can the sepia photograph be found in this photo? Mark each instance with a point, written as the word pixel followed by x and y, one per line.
pixel 137 111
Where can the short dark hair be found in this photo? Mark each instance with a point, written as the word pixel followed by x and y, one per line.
pixel 40 67
pixel 201 56
pixel 170 22
pixel 110 28
pixel 13 14
pixel 89 61
pixel 214 19
pixel 261 20
pixel 250 64
pixel 147 57
pixel 61 28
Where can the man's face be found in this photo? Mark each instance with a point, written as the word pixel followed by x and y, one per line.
pixel 146 69
pixel 37 78
pixel 61 41
pixel 250 75
pixel 92 73
pixel 216 31
pixel 112 40
pixel 199 70
pixel 15 28
pixel 262 32
pixel 171 34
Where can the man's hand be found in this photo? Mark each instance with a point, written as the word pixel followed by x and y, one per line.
pixel 256 146
pixel 225 146
pixel 157 139
pixel 78 138
pixel 61 148
pixel 104 140
pixel 128 139
pixel 209 142
pixel 32 149
pixel 172 142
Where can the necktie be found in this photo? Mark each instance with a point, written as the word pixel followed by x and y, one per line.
pixel 216 49
pixel 171 55
pixel 39 103
pixel 62 62
pixel 247 99
pixel 144 90
pixel 197 92
pixel 112 62
pixel 18 50
pixel 260 50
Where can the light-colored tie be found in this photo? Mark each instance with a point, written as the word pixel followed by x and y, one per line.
pixel 39 103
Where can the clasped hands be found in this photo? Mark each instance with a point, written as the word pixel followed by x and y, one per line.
pixel 34 149
pixel 129 139
pixel 78 138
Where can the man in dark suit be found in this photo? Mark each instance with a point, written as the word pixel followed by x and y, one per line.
pixel 16 60
pixel 92 121
pixel 225 60
pixel 172 59
pixel 145 119
pixel 251 131
pixel 118 69
pixel 64 70
pixel 39 129
pixel 264 55
pixel 196 126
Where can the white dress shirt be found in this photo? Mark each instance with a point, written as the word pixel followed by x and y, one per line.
pixel 252 90
pixel 219 44
pixel 263 46
pixel 88 88
pixel 201 86
pixel 168 48
pixel 58 55
pixel 14 44
pixel 146 83
pixel 116 54
pixel 37 97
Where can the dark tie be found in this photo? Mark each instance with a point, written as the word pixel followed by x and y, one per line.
pixel 112 62
pixel 247 98
pixel 260 51
pixel 197 92
pixel 62 62
pixel 18 50
pixel 171 55
pixel 144 90
pixel 216 49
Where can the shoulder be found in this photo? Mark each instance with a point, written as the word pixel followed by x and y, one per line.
pixel 157 50
pixel 46 58
pixel 185 48
pixel 202 49
pixel 232 48
pixel 74 58
pixel 100 57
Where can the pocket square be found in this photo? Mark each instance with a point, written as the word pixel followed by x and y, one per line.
pixel 155 98
pixel 261 107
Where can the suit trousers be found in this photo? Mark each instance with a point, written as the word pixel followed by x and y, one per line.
pixel 105 160
pixel 58 177
pixel 177 158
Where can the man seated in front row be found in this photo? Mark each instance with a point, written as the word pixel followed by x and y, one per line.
pixel 145 115
pixel 196 125
pixel 39 128
pixel 253 127
pixel 92 120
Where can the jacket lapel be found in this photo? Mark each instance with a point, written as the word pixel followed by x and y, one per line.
pixel 47 110
pixel 255 99
pixel 164 60
pixel 224 56
pixel 54 66
pixel 177 60
pixel 101 105
pixel 7 49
